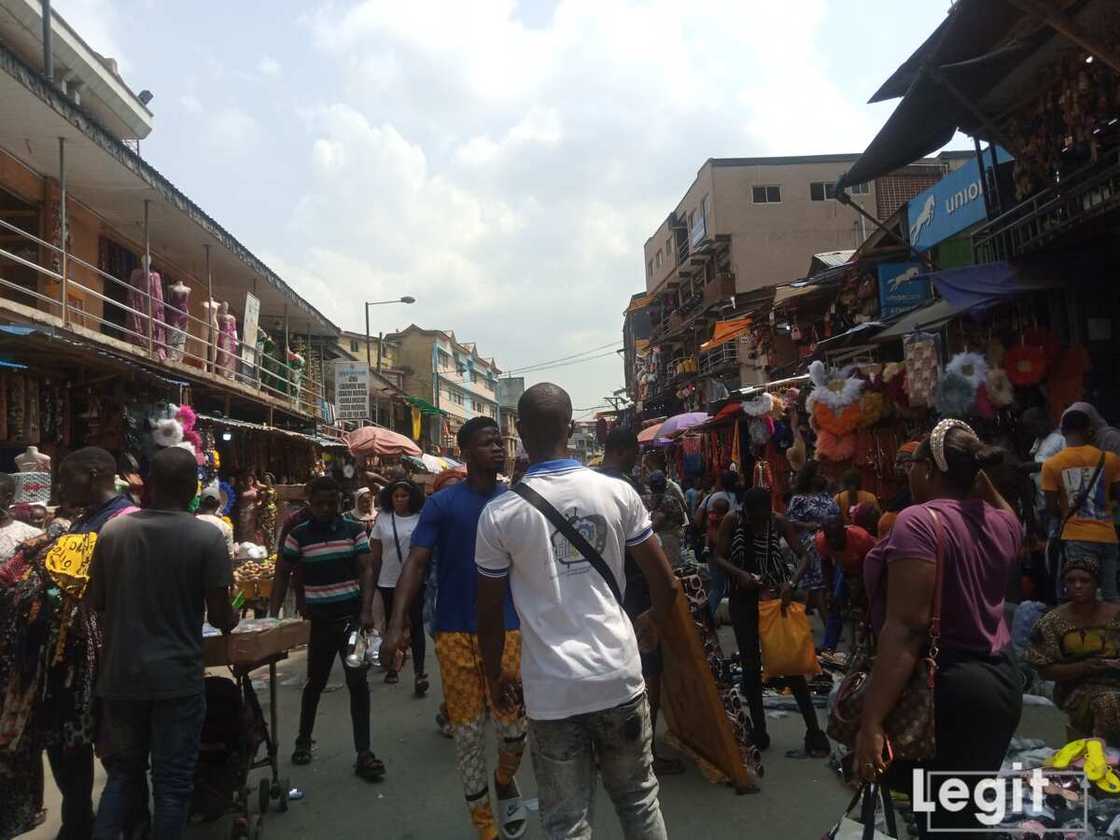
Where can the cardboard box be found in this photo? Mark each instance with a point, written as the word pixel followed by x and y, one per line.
pixel 255 646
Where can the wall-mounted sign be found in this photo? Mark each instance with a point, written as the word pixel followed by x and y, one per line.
pixel 954 203
pixel 901 288
pixel 351 390
pixel 250 324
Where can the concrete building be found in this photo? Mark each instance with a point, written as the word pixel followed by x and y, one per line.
pixel 82 214
pixel 510 389
pixel 388 404
pixel 584 445
pixel 446 379
pixel 743 226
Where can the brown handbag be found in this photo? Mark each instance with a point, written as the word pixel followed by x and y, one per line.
pixel 910 724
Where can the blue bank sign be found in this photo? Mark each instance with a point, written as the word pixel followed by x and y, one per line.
pixel 902 286
pixel 952 204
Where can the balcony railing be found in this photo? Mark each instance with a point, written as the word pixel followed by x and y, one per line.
pixel 719 357
pixel 1052 213
pixel 152 328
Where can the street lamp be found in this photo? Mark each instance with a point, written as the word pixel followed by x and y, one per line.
pixel 369 303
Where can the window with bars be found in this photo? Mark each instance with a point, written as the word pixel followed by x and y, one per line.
pixel 766 194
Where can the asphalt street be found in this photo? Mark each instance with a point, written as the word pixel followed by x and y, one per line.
pixel 421 796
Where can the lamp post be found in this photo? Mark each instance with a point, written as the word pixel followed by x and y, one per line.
pixel 369 353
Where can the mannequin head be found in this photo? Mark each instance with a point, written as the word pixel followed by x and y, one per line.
pixel 223 308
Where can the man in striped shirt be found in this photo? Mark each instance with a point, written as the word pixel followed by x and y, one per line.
pixel 332 554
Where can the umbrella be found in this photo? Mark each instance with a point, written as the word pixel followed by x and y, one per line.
pixel 647 434
pixel 681 423
pixel 374 440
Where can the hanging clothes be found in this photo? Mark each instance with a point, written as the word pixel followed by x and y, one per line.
pixel 146 288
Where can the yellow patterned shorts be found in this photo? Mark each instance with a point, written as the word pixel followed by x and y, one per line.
pixel 465 689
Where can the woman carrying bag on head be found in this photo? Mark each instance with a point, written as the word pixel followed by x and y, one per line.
pixel 936 589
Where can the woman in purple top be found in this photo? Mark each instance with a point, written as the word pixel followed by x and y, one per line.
pixel 978 694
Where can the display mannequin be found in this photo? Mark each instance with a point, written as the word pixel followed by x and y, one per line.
pixel 32 460
pixel 177 306
pixel 247 499
pixel 210 332
pixel 145 283
pixel 227 341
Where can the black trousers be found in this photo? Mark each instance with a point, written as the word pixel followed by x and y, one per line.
pixel 415 623
pixel 73 773
pixel 328 640
pixel 744 620
pixel 990 689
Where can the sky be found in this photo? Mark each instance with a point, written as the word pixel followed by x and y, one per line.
pixel 502 161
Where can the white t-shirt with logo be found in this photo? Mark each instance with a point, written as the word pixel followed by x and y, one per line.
pixel 391 561
pixel 579 653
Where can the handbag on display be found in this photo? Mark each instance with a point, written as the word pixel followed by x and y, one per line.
pixel 868 798
pixel 910 726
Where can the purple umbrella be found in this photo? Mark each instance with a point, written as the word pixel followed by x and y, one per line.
pixel 681 423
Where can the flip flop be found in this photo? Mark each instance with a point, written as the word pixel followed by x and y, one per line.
pixel 512 816
pixel 1109 783
pixel 1064 757
pixel 1096 765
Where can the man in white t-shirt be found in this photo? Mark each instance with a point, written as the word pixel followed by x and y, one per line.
pixel 582 673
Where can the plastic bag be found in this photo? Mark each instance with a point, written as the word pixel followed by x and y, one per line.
pixel 787 640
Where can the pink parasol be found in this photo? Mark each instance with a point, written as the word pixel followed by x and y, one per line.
pixel 374 440
pixel 647 434
pixel 682 423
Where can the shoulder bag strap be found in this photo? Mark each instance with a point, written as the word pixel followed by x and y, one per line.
pixel 570 534
pixel 939 584
pixel 393 518
pixel 1083 496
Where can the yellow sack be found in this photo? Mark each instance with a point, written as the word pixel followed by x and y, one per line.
pixel 787 641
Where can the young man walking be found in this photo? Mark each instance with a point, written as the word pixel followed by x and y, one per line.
pixel 448 523
pixel 331 554
pixel 559 542
pixel 153 572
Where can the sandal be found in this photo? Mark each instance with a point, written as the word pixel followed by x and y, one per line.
pixel 512 816
pixel 302 753
pixel 444 725
pixel 392 678
pixel 1064 757
pixel 420 688
pixel 369 767
pixel 816 745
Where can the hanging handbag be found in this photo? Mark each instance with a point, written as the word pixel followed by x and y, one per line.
pixel 866 828
pixel 910 726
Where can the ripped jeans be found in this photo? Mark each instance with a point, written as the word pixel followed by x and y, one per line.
pixel 564 756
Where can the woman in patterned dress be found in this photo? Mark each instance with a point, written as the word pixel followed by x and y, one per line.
pixel 811 506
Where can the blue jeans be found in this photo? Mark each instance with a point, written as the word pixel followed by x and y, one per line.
pixel 169 730
pixel 564 755
pixel 717 587
pixel 1106 556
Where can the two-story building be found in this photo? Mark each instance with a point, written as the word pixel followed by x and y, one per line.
pixel 448 380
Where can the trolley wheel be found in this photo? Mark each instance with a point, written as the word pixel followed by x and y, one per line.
pixel 282 805
pixel 258 832
pixel 264 793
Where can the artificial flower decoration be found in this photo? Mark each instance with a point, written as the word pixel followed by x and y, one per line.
pixel 835 390
pixel 971 367
pixel 761 430
pixel 832 447
pixel 956 396
pixel 167 432
pixel 983 406
pixel 839 422
pixel 759 406
pixel 1025 364
pixel 872 407
pixel 996 353
pixel 1000 391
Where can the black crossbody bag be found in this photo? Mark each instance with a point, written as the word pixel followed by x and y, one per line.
pixel 571 534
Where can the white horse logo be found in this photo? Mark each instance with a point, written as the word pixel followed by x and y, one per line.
pixel 905 277
pixel 925 218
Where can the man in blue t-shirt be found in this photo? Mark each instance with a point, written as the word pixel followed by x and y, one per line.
pixel 448 524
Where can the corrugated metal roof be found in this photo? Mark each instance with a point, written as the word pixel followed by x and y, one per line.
pixel 831 259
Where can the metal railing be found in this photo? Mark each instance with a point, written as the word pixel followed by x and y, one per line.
pixel 155 329
pixel 1052 212
pixel 724 355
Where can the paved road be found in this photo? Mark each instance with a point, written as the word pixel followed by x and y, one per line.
pixel 421 797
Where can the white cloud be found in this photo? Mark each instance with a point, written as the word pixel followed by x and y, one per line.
pixel 507 176
pixel 269 67
pixel 191 104
pixel 231 130
pixel 99 23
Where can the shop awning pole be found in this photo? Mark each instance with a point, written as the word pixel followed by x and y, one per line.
pixel 62 214
pixel 147 271
pixel 844 198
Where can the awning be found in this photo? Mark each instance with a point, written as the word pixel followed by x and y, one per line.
pixel 725 331
pixel 784 294
pixel 424 406
pixel 983 285
pixel 230 423
pixel 638 303
pixel 926 318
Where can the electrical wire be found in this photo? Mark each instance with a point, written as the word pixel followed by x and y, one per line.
pixel 614 344
pixel 566 364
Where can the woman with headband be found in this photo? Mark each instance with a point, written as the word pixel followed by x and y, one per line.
pixel 959 520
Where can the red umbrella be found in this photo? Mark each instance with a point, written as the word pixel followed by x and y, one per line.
pixel 374 440
pixel 647 434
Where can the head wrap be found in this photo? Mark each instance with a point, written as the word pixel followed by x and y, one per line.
pixel 1081 563
pixel 448 475
pixel 937 440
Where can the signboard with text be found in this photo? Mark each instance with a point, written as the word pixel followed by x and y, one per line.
pixel 901 288
pixel 351 390
pixel 249 327
pixel 953 204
